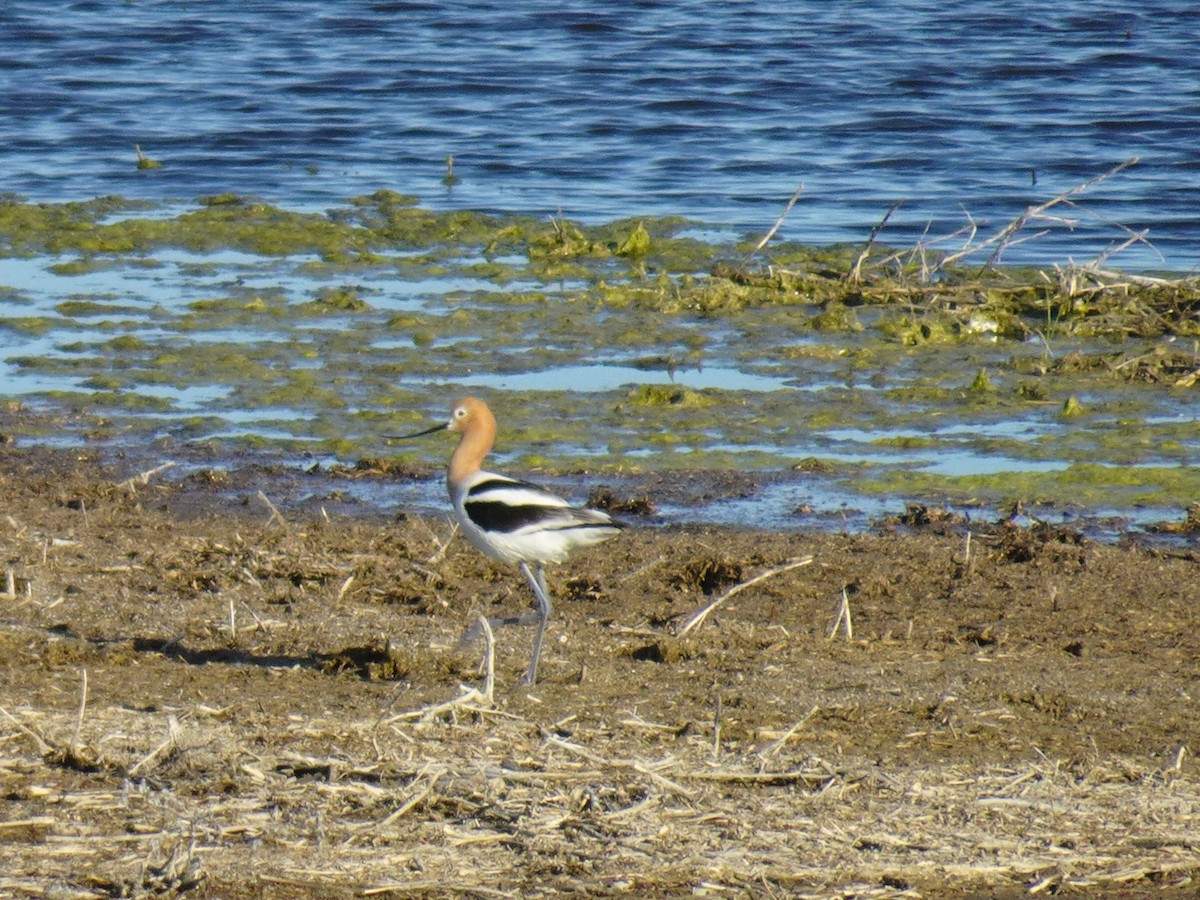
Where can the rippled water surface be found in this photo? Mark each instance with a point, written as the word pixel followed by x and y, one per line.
pixel 713 111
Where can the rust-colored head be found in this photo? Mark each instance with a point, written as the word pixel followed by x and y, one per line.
pixel 471 418
pixel 470 415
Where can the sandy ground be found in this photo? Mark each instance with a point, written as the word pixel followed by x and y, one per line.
pixel 201 696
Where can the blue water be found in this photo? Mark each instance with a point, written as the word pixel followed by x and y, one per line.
pixel 716 111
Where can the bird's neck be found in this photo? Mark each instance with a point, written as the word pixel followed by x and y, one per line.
pixel 467 457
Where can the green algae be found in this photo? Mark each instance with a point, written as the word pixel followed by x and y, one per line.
pixel 29 326
pixel 636 245
pixel 1083 484
pixel 344 299
pixel 836 318
pixel 372 229
pixel 77 267
pixel 907 442
pixel 927 328
pixel 565 240
pixel 981 383
pixel 30 229
pixel 11 296
pixel 1071 408
pixel 109 399
pixel 87 308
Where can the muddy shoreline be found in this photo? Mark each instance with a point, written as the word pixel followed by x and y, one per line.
pixel 794 499
pixel 203 697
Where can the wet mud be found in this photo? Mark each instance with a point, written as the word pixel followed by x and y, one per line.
pixel 215 692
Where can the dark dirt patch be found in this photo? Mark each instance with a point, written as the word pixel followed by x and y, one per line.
pixel 268 707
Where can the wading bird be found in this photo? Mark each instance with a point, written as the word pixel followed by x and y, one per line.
pixel 512 521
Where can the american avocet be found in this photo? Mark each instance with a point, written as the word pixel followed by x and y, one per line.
pixel 513 521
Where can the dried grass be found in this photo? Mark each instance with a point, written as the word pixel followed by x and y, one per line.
pixel 476 800
pixel 935 275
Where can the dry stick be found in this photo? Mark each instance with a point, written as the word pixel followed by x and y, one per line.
pixel 79 718
pixel 1024 239
pixel 489 678
pixel 411 802
pixel 42 745
pixel 639 767
pixel 275 514
pixel 777 745
pixel 968 560
pixel 970 229
pixel 1004 236
pixel 716 744
pixel 151 759
pixel 1139 235
pixel 806 776
pixel 144 477
pixel 1141 280
pixel 662 781
pixel 409 887
pixel 774 228
pixel 702 613
pixel 259 623
pixel 440 553
pixel 469 696
pixel 16 825
pixel 1134 238
pixel 1134 360
pixel 917 251
pixel 843 618
pixel 430 774
pixel 855 275
pixel 658 560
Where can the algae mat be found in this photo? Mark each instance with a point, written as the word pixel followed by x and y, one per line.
pixel 207 696
pixel 636 346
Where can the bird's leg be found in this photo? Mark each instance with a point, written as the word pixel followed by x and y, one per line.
pixel 538 584
pixel 538 617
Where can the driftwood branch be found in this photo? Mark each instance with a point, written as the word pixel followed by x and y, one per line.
pixel 698 617
pixel 1003 238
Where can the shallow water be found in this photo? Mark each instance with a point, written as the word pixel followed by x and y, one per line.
pixel 198 358
pixel 712 111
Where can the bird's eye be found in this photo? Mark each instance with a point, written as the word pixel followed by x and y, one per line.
pixel 460 412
